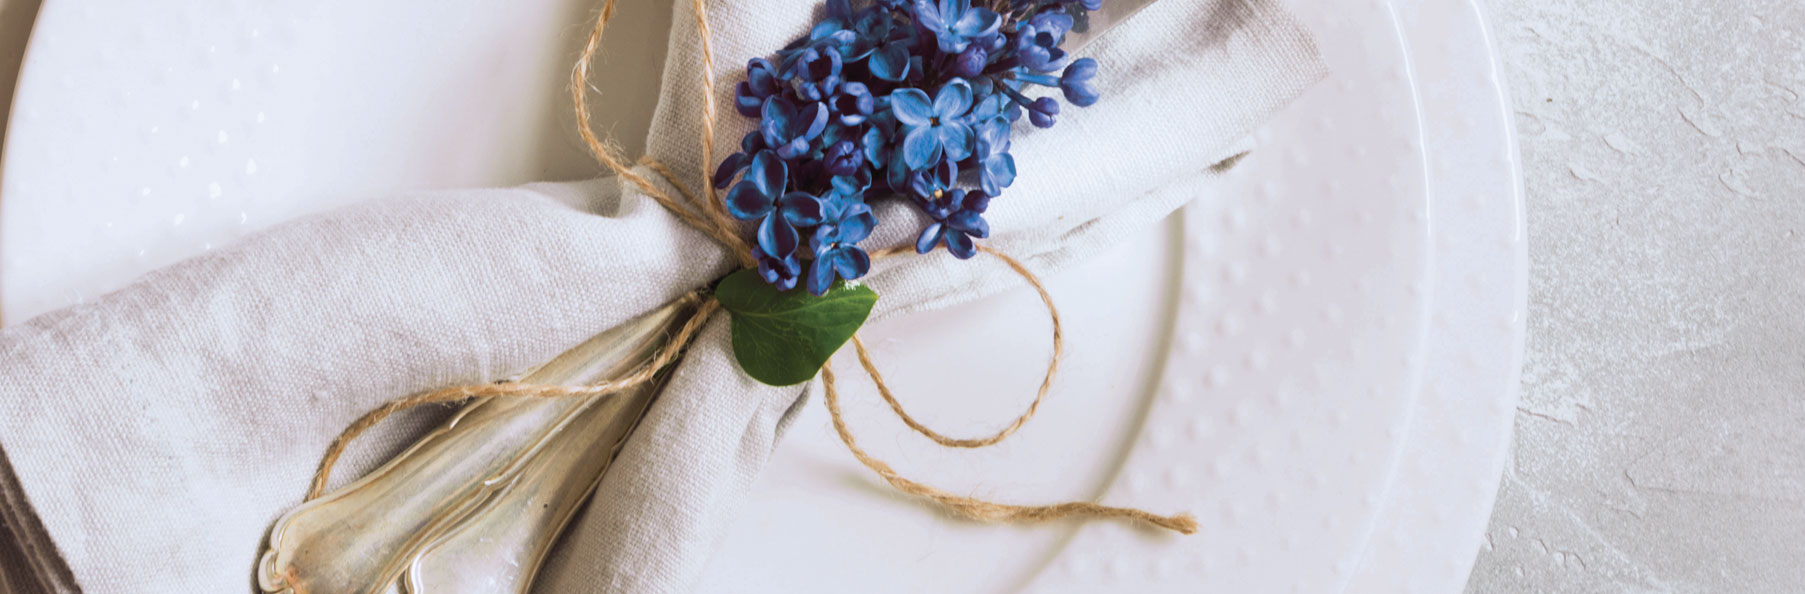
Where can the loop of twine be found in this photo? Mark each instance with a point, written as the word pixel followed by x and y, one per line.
pixel 1046 383
pixel 707 215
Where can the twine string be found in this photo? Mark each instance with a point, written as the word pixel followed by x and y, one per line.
pixel 718 227
pixel 704 213
pixel 979 509
pixel 705 308
pixel 1046 383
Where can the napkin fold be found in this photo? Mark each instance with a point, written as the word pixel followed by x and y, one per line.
pixel 151 437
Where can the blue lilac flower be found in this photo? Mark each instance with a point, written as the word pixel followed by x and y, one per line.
pixel 781 273
pixel 958 217
pixel 934 130
pixel 1043 112
pixel 761 82
pixel 853 104
pixel 789 129
pixel 843 158
pixel 760 196
pixel 1037 44
pixel 992 103
pixel 887 98
pixel 970 63
pixel 996 168
pixel 750 144
pixel 955 23
pixel 933 182
pixel 872 29
pixel 817 74
pixel 880 141
pixel 835 243
pixel 853 185
pixel 1076 82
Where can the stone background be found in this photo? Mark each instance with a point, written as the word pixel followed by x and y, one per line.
pixel 1659 444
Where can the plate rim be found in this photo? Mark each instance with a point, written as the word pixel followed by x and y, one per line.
pixel 1404 506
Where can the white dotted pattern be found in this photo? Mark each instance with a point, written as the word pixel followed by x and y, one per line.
pixel 1285 397
pixel 158 131
pixel 1434 518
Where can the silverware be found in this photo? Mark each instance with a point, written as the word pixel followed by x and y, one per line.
pixel 476 504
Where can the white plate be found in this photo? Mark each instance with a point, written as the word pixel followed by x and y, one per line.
pixel 1437 509
pixel 1295 305
pixel 1290 309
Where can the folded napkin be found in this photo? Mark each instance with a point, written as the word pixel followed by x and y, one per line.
pixel 151 437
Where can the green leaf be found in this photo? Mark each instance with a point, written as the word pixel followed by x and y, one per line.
pixel 783 337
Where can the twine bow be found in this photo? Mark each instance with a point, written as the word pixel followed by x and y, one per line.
pixel 707 214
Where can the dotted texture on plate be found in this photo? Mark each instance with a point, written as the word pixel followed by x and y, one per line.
pixel 1435 514
pixel 1298 346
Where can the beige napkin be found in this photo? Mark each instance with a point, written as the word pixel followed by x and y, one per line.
pixel 152 436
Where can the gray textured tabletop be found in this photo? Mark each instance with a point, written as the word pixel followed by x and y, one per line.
pixel 1658 446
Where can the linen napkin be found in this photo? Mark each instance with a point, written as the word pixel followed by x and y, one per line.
pixel 151 437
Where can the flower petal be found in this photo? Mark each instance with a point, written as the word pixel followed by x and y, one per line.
pixel 977 22
pixel 921 148
pixel 922 186
pixel 956 139
pixel 747 102
pixel 929 238
pixel 820 276
pixel 792 268
pixel 768 173
pixel 877 146
pixel 999 172
pixel 795 149
pixel 927 14
pixel 852 186
pixel 911 107
pixel 953 100
pixel 745 202
pixel 976 202
pixel 801 209
pixel 960 245
pixel 778 112
pixel 969 222
pixel 1035 58
pixel 851 262
pixel 1057 23
pixel 890 62
pixel 896 171
pixel 856 224
pixel 815 115
pixel 1081 69
pixel 777 237
pixel 951 9
pixel 1081 94
pixel 994 132
pixel 730 166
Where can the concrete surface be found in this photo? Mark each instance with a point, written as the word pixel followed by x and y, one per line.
pixel 1659 444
